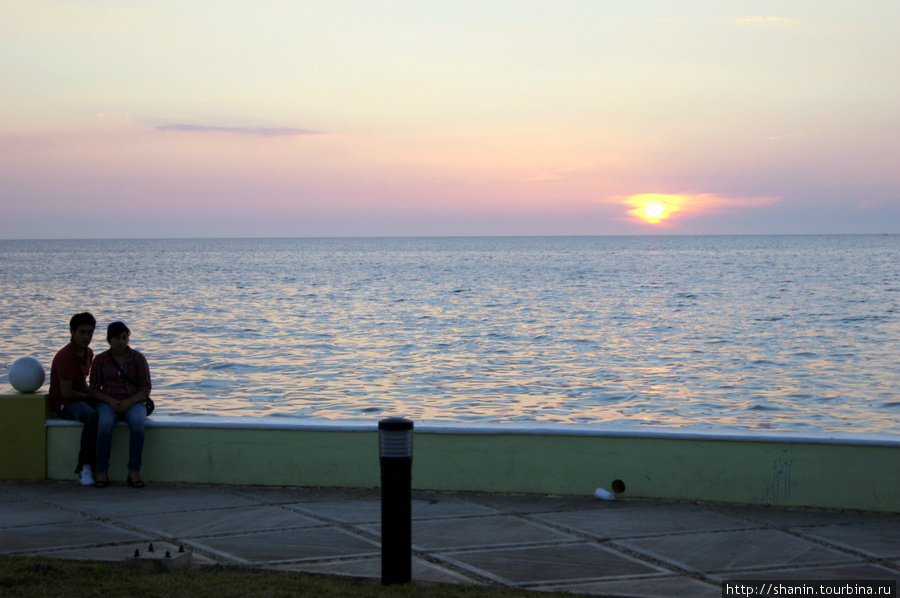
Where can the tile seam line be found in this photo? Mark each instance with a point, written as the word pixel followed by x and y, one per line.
pixel 505 546
pixel 843 549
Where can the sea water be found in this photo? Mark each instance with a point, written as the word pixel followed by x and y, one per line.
pixel 798 333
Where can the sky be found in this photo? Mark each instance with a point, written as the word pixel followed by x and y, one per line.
pixel 271 118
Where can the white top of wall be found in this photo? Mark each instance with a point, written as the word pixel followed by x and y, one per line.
pixel 532 428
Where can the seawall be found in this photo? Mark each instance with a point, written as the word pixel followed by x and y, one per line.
pixel 846 471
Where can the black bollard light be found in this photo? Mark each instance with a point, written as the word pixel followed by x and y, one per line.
pixel 395 443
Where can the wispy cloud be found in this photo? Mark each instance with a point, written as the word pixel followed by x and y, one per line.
pixel 258 131
pixel 760 20
pixel 553 175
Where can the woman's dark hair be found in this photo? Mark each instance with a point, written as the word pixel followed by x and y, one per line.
pixel 115 329
pixel 80 319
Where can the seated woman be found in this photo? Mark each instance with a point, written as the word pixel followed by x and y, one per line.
pixel 120 382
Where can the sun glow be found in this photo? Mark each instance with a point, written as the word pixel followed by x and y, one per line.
pixel 662 209
pixel 653 208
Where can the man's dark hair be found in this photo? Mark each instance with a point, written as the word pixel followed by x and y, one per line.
pixel 115 329
pixel 79 319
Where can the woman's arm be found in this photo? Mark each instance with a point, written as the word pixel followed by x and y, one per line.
pixel 139 374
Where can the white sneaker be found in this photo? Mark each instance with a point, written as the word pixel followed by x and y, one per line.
pixel 85 477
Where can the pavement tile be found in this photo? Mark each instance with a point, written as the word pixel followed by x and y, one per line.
pixel 880 539
pixel 120 500
pixel 189 524
pixel 20 513
pixel 6 498
pixel 284 495
pixel 859 571
pixel 289 545
pixel 796 517
pixel 358 511
pixel 547 564
pixel 369 510
pixel 64 535
pixel 535 503
pixel 370 568
pixel 49 491
pixel 641 520
pixel 650 548
pixel 434 505
pixel 644 587
pixel 501 530
pixel 744 549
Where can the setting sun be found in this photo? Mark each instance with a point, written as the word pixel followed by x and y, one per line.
pixel 653 208
pixel 664 209
pixel 654 212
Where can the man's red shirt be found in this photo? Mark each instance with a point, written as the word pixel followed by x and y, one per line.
pixel 68 366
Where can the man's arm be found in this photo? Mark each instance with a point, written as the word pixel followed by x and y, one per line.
pixel 69 394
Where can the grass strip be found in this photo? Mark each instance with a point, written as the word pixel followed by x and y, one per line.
pixel 45 577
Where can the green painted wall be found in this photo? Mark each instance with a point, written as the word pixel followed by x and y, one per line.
pixel 230 456
pixel 765 473
pixel 23 448
pixel 753 472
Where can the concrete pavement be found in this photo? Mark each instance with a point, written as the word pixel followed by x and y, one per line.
pixel 628 547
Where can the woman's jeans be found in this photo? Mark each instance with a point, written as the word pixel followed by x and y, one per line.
pixel 135 417
pixel 80 411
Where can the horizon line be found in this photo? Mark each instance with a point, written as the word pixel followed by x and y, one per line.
pixel 510 236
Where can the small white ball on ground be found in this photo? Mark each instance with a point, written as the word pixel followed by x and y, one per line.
pixel 26 374
pixel 604 494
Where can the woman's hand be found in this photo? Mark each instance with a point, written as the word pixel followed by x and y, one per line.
pixel 128 403
pixel 118 406
pixel 122 406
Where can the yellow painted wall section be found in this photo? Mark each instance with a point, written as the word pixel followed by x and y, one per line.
pixel 23 440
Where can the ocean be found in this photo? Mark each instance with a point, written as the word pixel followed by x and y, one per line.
pixel 793 333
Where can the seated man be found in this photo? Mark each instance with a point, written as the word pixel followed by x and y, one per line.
pixel 69 395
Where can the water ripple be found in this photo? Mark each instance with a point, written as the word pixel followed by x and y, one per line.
pixel 775 333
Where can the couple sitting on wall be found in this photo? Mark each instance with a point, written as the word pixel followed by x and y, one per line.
pixel 118 389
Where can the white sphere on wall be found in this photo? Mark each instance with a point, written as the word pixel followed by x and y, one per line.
pixel 26 374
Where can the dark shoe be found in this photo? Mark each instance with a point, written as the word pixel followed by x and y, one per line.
pixel 102 482
pixel 134 483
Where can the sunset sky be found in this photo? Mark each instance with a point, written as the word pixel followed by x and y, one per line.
pixel 290 118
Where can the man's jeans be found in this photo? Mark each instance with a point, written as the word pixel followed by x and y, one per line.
pixel 84 413
pixel 136 418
